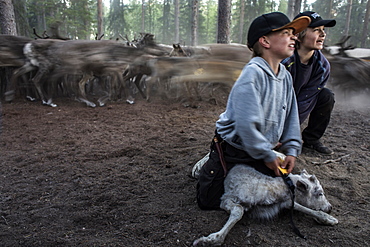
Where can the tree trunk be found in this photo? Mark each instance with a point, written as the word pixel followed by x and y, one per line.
pixel 7 18
pixel 290 10
pixel 100 18
pixel 166 20
pixel 21 18
pixel 7 26
pixel 194 23
pixel 224 13
pixel 365 31
pixel 348 17
pixel 177 16
pixel 294 8
pixel 241 20
pixel 143 16
pixel 297 8
pixel 329 16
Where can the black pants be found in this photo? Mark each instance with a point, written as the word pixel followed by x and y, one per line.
pixel 210 187
pixel 319 117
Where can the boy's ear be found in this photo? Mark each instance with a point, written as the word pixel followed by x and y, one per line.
pixel 264 42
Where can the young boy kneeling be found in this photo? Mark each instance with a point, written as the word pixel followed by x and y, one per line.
pixel 261 110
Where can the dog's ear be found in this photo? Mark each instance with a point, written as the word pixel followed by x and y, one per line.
pixel 304 172
pixel 302 186
pixel 313 178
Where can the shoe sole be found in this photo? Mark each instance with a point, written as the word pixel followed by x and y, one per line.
pixel 314 150
pixel 196 169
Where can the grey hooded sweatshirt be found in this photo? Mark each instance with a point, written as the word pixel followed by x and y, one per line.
pixel 261 112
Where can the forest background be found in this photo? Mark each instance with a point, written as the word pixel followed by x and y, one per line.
pixel 189 22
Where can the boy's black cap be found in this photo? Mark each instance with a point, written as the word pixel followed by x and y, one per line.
pixel 274 21
pixel 316 19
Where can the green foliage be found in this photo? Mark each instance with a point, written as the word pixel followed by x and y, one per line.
pixel 133 14
pixel 185 21
pixel 338 11
pixel 208 21
pixel 20 12
pixel 78 18
pixel 283 6
pixel 116 19
pixel 253 8
pixel 356 23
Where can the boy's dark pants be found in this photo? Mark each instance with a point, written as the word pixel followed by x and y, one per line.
pixel 210 185
pixel 319 117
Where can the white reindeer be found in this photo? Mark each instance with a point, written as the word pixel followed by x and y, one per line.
pixel 247 190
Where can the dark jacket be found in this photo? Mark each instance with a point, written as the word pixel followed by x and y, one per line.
pixel 308 80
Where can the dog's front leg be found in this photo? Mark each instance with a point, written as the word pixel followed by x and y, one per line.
pixel 217 238
pixel 320 216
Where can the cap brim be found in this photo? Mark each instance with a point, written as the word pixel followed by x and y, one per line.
pixel 325 23
pixel 298 25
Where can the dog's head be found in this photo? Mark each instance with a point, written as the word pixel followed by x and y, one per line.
pixel 310 193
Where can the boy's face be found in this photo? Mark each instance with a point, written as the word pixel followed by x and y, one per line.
pixel 282 43
pixel 314 38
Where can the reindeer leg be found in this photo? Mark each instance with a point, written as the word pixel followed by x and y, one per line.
pixel 137 83
pixel 196 88
pixel 125 87
pixel 217 238
pixel 149 83
pixel 116 84
pixel 192 86
pixel 81 85
pixel 320 216
pixel 106 86
pixel 189 94
pixel 38 84
pixel 9 94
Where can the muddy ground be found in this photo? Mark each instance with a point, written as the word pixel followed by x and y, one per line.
pixel 119 175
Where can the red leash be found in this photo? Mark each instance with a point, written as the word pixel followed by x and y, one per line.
pixel 220 155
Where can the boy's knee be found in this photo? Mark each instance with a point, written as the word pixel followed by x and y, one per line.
pixel 327 94
pixel 326 97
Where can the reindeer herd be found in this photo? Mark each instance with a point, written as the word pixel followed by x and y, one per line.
pixel 113 69
pixel 350 68
pixel 103 70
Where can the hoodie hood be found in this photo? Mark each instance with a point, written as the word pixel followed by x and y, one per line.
pixel 263 64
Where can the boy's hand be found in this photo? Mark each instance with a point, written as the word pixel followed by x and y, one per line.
pixel 288 164
pixel 274 166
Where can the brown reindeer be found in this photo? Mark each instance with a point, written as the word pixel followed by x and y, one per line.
pixel 11 56
pixel 349 74
pixel 79 57
pixel 217 66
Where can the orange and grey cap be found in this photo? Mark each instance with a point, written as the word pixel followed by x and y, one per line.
pixel 274 21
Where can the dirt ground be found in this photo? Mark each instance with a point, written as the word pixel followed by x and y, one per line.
pixel 119 175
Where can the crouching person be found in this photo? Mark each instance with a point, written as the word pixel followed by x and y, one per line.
pixel 261 111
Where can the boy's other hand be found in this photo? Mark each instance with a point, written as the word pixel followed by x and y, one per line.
pixel 288 164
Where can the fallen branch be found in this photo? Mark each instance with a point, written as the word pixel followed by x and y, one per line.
pixel 6 222
pixel 330 161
